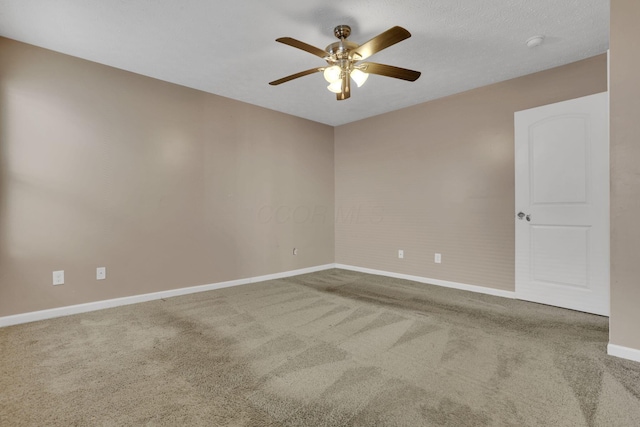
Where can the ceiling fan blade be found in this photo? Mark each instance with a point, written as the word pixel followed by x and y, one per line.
pixel 389 71
pixel 296 75
pixel 382 41
pixel 304 46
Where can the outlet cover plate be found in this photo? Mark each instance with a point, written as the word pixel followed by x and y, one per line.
pixel 58 277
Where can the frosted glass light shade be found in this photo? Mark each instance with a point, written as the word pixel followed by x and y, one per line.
pixel 332 74
pixel 359 77
pixel 335 87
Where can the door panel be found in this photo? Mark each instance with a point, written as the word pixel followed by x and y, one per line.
pixel 559 148
pixel 559 255
pixel 562 188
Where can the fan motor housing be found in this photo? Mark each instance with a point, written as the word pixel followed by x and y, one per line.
pixel 343 48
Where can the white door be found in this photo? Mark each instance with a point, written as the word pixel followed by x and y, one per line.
pixel 562 204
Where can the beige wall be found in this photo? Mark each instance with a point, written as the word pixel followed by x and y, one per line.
pixel 625 173
pixel 170 187
pixel 439 177
pixel 166 186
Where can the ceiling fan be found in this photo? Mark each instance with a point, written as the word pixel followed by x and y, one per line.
pixel 343 58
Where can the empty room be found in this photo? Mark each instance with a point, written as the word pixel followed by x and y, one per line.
pixel 367 213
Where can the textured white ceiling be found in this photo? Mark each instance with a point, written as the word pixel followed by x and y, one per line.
pixel 228 47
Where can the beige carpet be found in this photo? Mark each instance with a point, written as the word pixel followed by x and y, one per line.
pixel 334 348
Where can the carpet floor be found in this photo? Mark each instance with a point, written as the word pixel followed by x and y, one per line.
pixel 333 348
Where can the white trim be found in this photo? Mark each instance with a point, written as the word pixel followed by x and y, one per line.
pixel 292 273
pixel 438 282
pixel 116 302
pixel 623 352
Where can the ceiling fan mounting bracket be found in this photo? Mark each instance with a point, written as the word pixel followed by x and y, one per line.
pixel 342 31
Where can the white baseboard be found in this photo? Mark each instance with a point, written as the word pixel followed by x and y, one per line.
pixel 623 352
pixel 444 283
pixel 612 349
pixel 116 302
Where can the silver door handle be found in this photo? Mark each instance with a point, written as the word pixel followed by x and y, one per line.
pixel 522 215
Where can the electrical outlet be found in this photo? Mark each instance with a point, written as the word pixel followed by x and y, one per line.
pixel 400 253
pixel 295 251
pixel 101 273
pixel 438 259
pixel 58 277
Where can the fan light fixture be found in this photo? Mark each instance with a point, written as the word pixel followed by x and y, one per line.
pixel 333 75
pixel 359 77
pixel 344 60
pixel 335 87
